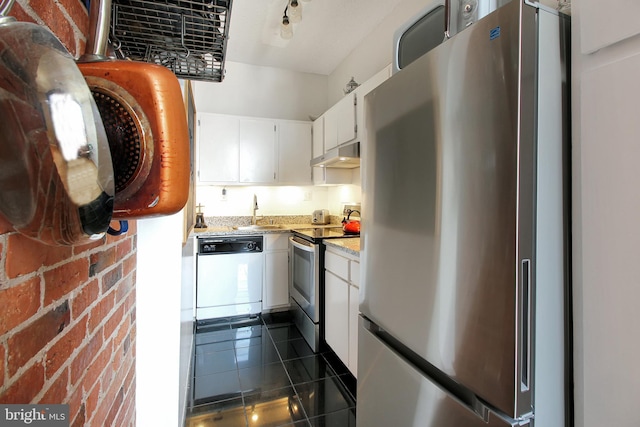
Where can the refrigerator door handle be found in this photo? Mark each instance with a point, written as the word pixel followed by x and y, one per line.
pixel 447 20
pixel 525 324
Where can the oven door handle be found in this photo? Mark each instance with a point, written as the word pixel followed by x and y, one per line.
pixel 302 246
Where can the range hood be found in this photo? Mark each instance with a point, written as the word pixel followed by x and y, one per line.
pixel 344 156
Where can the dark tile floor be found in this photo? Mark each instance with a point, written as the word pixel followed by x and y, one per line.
pixel 261 372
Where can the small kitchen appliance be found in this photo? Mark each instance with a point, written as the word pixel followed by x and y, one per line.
pixel 320 216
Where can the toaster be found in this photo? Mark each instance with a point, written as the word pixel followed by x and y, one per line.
pixel 320 216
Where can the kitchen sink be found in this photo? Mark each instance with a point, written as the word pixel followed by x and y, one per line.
pixel 257 227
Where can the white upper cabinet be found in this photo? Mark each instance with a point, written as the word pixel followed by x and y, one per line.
pixel 245 150
pixel 318 137
pixel 218 148
pixel 340 122
pixel 294 152
pixel 257 151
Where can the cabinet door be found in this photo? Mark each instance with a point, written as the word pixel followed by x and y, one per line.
pixel 217 148
pixel 276 292
pixel 346 111
pixel 318 137
pixel 337 315
pixel 294 153
pixel 330 129
pixel 257 151
pixel 353 330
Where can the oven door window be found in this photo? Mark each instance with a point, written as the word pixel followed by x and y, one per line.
pixel 303 272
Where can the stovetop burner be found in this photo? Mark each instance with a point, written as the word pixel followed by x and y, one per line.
pixel 320 233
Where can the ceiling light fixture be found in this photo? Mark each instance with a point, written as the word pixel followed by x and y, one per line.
pixel 286 29
pixel 295 11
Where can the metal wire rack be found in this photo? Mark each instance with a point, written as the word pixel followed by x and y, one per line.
pixel 187 36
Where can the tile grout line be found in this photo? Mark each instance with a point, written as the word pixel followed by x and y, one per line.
pixel 306 417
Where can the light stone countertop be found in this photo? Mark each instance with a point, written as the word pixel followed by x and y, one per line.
pixel 350 244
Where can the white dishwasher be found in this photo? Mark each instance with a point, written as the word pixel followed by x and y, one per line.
pixel 229 276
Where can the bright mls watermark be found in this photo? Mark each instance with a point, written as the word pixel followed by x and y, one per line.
pixel 34 415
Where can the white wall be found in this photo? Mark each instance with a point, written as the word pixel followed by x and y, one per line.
pixel 249 90
pixel 606 226
pixel 159 394
pixel 375 52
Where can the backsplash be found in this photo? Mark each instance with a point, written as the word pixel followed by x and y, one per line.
pixel 274 201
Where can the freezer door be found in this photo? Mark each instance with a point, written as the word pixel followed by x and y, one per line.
pixel 392 392
pixel 449 195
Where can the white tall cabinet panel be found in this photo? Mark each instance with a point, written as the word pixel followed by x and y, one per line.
pixel 257 151
pixel 294 144
pixel 606 208
pixel 608 22
pixel 218 148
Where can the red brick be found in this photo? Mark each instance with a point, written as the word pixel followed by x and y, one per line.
pixel 112 323
pixel 59 353
pixel 57 392
pixel 78 249
pixel 125 416
pixel 92 402
pixel 124 249
pixel 124 289
pixel 56 21
pixel 123 332
pixel 62 280
pixel 116 406
pixel 28 342
pixel 19 303
pixel 111 277
pixel 76 402
pixel 83 299
pixel 99 261
pixel 79 420
pixel 78 14
pixel 97 367
pixel 18 12
pixel 2 364
pixel 84 358
pixel 25 255
pixel 100 311
pixel 26 387
pixel 129 265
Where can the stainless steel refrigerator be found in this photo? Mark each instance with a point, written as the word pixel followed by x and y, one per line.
pixel 466 294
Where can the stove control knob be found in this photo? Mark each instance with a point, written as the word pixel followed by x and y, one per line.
pixel 251 246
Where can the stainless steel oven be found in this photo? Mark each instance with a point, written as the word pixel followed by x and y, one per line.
pixel 304 287
pixel 306 279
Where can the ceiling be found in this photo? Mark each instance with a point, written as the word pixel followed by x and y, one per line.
pixel 328 32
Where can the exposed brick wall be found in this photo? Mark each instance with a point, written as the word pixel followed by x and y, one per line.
pixel 67 313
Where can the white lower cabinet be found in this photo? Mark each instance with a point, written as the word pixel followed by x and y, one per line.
pixel 337 315
pixel 276 271
pixel 342 280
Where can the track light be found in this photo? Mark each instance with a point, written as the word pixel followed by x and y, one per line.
pixel 295 11
pixel 286 28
